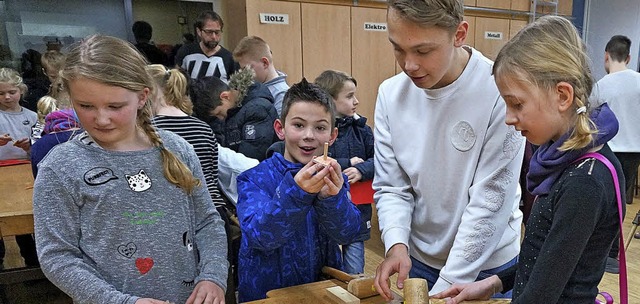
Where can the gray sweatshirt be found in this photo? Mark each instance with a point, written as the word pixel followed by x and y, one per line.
pixel 110 228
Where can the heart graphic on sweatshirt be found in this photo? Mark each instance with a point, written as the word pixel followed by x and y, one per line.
pixel 127 250
pixel 144 264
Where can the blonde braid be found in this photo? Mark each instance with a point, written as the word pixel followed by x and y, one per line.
pixel 173 168
pixel 582 134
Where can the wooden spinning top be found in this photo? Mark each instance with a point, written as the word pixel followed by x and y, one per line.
pixel 324 159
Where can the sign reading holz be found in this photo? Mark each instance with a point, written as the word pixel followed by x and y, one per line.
pixel 274 18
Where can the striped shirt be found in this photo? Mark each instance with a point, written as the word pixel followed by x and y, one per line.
pixel 200 136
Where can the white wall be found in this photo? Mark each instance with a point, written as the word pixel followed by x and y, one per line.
pixel 605 18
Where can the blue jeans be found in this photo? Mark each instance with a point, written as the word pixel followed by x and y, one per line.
pixel 420 270
pixel 353 257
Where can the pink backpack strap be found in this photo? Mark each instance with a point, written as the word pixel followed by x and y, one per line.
pixel 624 296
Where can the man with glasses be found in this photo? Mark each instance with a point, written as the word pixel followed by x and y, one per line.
pixel 207 57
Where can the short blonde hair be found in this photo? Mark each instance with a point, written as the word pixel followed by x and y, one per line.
pixel 12 77
pixel 46 105
pixel 544 53
pixel 252 47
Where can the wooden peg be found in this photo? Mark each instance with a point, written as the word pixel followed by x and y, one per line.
pixel 324 159
pixel 326 151
pixel 416 291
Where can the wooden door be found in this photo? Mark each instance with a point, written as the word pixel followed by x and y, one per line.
pixel 326 39
pixel 520 5
pixel 515 26
pixel 503 4
pixel 491 35
pixel 372 59
pixel 284 38
pixel 471 32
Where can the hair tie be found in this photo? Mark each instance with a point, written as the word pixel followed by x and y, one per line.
pixel 167 72
pixel 581 110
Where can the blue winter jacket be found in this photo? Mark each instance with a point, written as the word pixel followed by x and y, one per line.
pixel 355 138
pixel 287 233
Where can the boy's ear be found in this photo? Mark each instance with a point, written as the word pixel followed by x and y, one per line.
pixel 224 95
pixel 461 34
pixel 334 135
pixel 278 126
pixel 565 94
pixel 265 62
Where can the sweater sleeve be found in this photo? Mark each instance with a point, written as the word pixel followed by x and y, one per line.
pixel 394 198
pixel 493 196
pixel 366 168
pixel 576 212
pixel 210 236
pixel 57 230
pixel 267 220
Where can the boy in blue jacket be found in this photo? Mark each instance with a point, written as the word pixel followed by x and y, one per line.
pixel 293 212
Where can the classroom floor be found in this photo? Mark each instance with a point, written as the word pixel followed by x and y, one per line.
pixel 42 291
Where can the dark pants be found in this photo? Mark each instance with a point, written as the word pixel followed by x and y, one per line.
pixel 630 163
pixel 27 250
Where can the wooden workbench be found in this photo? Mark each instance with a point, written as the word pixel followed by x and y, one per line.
pixel 16 215
pixel 16 200
pixel 315 293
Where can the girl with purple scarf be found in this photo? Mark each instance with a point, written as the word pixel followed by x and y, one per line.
pixel 544 77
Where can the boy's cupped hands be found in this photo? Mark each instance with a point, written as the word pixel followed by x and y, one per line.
pixel 325 180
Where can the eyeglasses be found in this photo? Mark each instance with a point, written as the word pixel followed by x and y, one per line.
pixel 211 32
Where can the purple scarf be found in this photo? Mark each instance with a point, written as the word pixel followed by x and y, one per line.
pixel 548 162
pixel 61 120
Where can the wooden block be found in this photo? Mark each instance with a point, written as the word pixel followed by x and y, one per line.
pixel 416 291
pixel 339 295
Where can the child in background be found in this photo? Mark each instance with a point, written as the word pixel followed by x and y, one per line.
pixel 254 52
pixel 46 105
pixel 121 214
pixel 543 74
pixel 353 149
pixel 241 114
pixel 52 62
pixel 15 121
pixel 293 212
pixel 173 110
pixel 15 143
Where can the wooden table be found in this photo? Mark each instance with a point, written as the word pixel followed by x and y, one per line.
pixel 16 200
pixel 315 293
pixel 16 215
